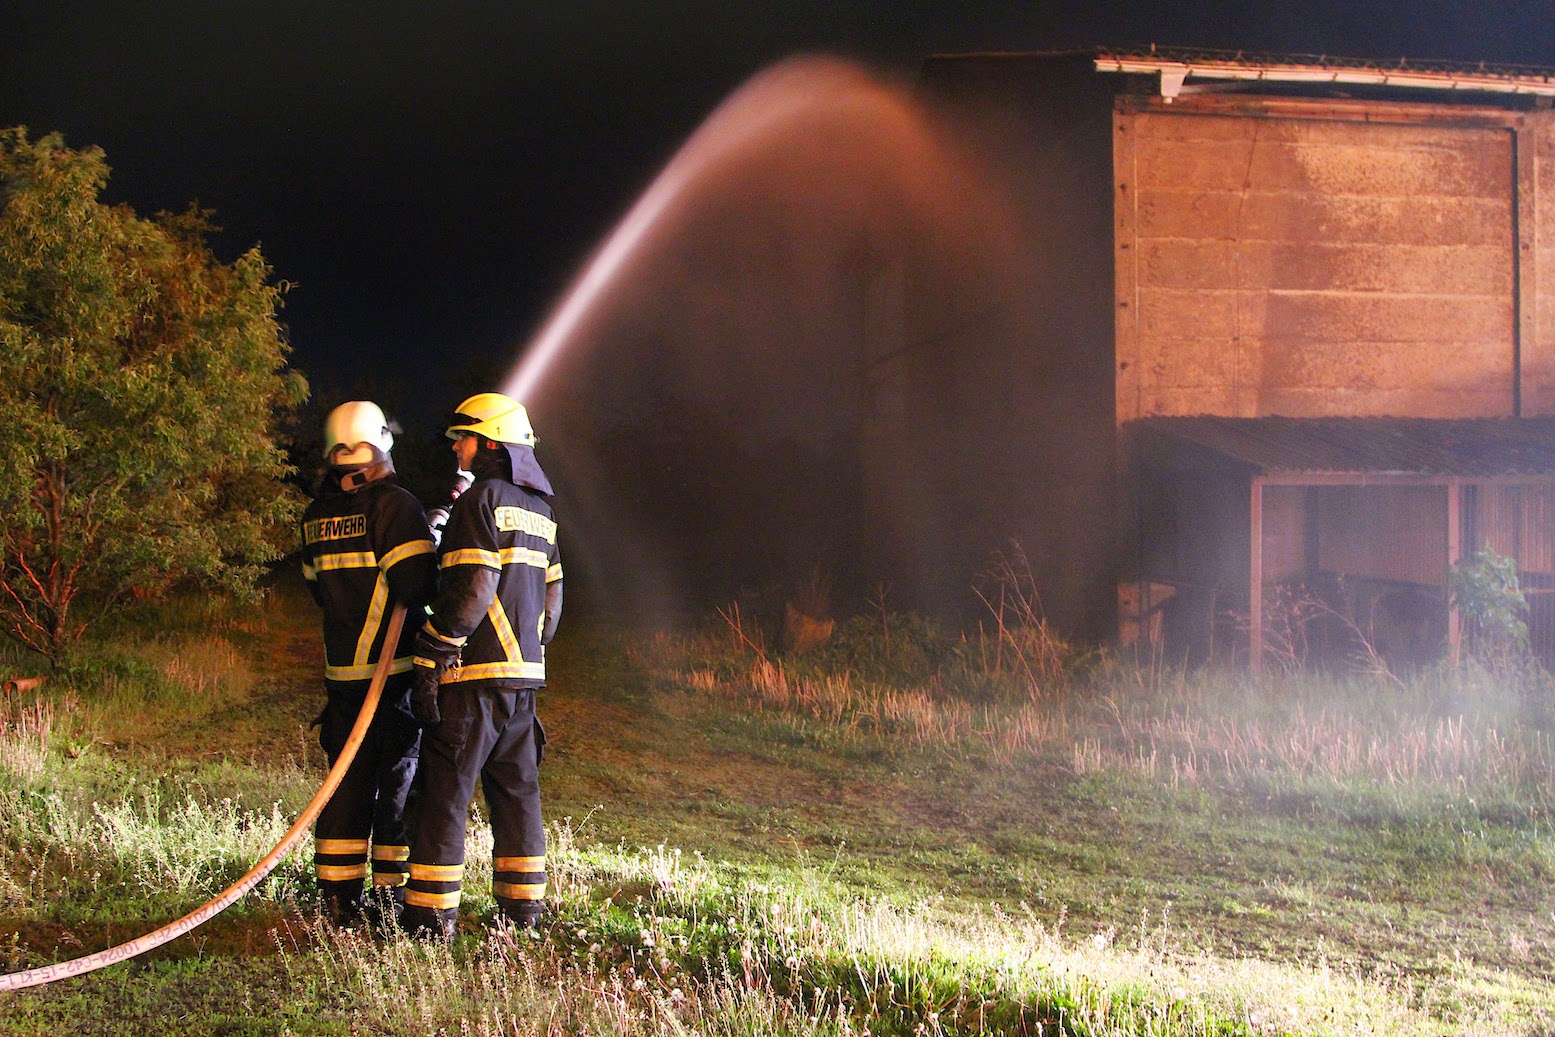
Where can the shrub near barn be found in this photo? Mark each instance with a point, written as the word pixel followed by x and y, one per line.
pixel 140 379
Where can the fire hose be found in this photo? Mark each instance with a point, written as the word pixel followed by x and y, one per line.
pixel 212 908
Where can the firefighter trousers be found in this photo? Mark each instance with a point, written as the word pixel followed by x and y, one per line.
pixel 366 815
pixel 491 734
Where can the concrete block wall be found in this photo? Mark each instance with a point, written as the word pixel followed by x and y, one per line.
pixel 1327 262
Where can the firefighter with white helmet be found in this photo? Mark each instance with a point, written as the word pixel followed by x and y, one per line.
pixel 366 547
pixel 479 661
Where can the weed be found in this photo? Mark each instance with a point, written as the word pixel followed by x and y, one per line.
pixel 25 728
pixel 1023 641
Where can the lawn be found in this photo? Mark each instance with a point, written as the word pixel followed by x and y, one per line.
pixel 903 831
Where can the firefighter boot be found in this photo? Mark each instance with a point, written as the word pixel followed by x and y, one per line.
pixel 342 902
pixel 429 923
pixel 526 914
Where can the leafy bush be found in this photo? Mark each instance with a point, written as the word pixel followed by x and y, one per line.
pixel 140 380
pixel 1486 592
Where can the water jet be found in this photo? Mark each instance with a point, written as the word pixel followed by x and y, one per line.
pixel 726 385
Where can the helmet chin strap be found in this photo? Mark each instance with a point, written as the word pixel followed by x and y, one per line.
pixel 357 478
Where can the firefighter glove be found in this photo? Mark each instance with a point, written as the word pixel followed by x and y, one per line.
pixel 423 697
pixel 433 658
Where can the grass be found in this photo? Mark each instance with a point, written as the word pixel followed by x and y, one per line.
pixel 901 832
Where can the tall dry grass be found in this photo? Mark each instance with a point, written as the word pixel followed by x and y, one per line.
pixel 26 723
pixel 1458 729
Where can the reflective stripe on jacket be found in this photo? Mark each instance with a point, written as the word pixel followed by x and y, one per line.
pixel 361 552
pixel 498 554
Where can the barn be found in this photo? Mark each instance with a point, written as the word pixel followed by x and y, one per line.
pixel 1286 348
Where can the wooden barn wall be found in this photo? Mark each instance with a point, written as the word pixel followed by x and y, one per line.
pixel 1395 533
pixel 1309 266
pixel 1517 521
pixel 1390 533
pixel 1286 551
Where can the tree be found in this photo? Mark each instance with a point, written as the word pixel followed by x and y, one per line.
pixel 140 383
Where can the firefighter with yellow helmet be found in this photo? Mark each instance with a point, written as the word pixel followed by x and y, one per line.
pixel 366 547
pixel 479 661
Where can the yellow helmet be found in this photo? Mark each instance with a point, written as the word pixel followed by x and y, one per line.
pixel 495 416
pixel 354 429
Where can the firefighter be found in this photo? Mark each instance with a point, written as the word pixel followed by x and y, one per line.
pixel 366 547
pixel 479 661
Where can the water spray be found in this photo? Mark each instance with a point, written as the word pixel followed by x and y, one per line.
pixel 778 256
pixel 211 908
pixel 783 95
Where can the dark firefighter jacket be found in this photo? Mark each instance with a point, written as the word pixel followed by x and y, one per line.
pixel 362 552
pixel 499 594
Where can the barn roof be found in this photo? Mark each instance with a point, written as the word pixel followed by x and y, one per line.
pixel 1424 447
pixel 1181 66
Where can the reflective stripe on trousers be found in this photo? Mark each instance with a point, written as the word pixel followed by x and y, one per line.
pixel 490 734
pixel 364 821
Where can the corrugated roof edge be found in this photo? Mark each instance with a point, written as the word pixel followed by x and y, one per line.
pixel 1178 64
pixel 1426 447
pixel 1255 60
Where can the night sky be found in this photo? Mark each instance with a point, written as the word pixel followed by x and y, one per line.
pixel 430 177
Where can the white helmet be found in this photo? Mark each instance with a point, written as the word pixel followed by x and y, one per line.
pixel 353 431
